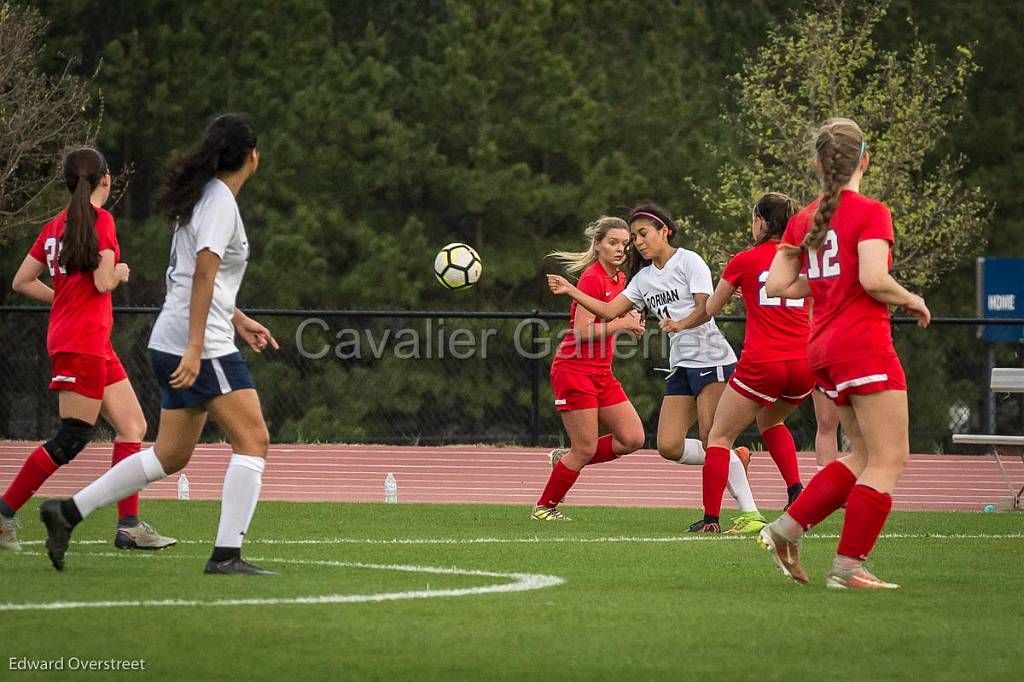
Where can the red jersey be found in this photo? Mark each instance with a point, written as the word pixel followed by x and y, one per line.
pixel 81 317
pixel 591 356
pixel 847 323
pixel 777 328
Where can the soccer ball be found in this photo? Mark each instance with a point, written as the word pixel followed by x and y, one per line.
pixel 457 266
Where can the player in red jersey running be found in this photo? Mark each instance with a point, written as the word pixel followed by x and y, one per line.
pixel 772 377
pixel 587 394
pixel 79 248
pixel 843 240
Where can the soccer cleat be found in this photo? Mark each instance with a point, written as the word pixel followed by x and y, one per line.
pixel 698 527
pixel 557 454
pixel 793 494
pixel 9 534
pixel 748 522
pixel 141 536
pixel 542 513
pixel 785 553
pixel 58 532
pixel 234 566
pixel 744 455
pixel 712 527
pixel 858 578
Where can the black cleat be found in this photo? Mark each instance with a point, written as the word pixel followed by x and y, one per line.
pixel 793 492
pixel 697 526
pixel 58 532
pixel 234 566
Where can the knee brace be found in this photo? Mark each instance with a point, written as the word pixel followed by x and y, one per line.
pixel 72 437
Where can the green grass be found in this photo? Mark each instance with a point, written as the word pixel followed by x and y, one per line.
pixel 704 609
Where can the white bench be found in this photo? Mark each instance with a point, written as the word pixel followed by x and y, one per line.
pixel 1004 380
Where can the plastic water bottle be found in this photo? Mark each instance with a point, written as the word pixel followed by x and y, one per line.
pixel 183 487
pixel 390 489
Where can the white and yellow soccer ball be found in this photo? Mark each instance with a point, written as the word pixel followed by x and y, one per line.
pixel 457 266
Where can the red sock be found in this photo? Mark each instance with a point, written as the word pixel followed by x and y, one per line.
pixel 781 447
pixel 715 475
pixel 38 467
pixel 129 506
pixel 605 452
pixel 866 512
pixel 562 478
pixel 825 493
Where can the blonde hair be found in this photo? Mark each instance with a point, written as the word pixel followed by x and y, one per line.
pixel 578 261
pixel 839 146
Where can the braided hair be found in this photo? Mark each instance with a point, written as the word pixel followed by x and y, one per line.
pixel 839 145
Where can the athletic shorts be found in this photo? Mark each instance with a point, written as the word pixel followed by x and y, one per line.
pixel 585 391
pixel 217 376
pixel 86 375
pixel 767 382
pixel 692 380
pixel 871 374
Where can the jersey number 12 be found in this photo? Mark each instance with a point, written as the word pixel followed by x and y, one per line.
pixel 824 262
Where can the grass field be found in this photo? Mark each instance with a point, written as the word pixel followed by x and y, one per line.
pixel 638 599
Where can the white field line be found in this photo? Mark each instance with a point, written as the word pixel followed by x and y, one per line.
pixel 519 582
pixel 543 540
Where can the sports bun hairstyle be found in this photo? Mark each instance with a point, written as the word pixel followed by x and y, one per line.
pixel 838 145
pixel 225 145
pixel 80 247
pixel 775 209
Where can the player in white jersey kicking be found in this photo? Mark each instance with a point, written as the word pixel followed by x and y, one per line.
pixel 674 287
pixel 192 349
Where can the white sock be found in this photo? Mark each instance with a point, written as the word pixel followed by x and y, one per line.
pixel 738 485
pixel 693 452
pixel 125 478
pixel 242 484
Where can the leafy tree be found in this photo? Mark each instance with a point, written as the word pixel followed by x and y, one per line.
pixel 826 63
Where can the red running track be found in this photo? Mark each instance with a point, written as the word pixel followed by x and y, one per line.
pixel 477 474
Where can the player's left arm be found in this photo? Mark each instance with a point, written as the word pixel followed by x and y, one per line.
pixel 253 333
pixel 27 283
pixel 695 319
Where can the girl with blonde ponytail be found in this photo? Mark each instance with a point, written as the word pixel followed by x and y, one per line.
pixel 587 394
pixel 842 241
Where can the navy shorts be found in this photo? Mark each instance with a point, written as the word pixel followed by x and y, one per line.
pixel 217 376
pixel 692 380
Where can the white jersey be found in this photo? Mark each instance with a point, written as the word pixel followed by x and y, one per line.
pixel 216 225
pixel 668 294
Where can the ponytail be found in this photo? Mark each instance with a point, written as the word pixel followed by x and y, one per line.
pixel 225 145
pixel 839 146
pixel 80 250
pixel 775 209
pixel 578 261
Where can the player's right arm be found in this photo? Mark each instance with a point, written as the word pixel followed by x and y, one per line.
pixel 609 311
pixel 27 283
pixel 203 280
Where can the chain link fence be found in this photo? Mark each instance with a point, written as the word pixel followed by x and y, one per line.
pixel 437 378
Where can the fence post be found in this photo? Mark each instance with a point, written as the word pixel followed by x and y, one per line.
pixel 535 381
pixel 990 397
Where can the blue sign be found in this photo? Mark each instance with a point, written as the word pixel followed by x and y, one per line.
pixel 1001 294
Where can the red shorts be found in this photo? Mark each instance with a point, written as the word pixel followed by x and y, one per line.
pixel 583 391
pixel 86 375
pixel 871 374
pixel 766 382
